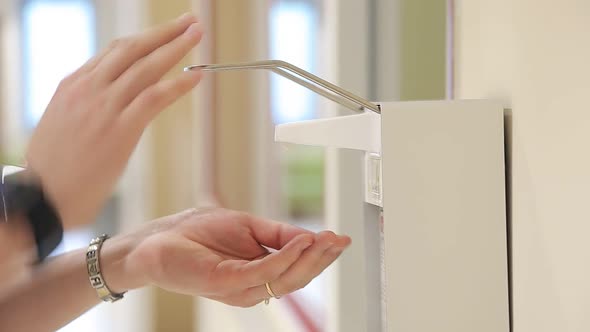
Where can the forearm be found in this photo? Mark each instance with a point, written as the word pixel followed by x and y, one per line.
pixel 60 290
pixel 16 256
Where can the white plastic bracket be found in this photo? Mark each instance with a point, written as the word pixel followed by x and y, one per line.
pixel 357 132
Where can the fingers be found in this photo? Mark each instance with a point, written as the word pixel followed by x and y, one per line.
pixel 95 60
pixel 125 52
pixel 274 234
pixel 157 97
pixel 152 67
pixel 325 250
pixel 246 274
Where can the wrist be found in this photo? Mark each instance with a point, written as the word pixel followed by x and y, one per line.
pixel 119 275
pixel 66 203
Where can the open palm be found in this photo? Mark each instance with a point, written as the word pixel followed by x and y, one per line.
pixel 223 255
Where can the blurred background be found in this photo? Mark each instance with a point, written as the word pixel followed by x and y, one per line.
pixel 216 146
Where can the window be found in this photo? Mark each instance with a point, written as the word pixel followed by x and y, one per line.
pixel 58 37
pixel 293 38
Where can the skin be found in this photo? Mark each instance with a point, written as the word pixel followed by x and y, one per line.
pixel 16 255
pixel 98 114
pixel 218 254
pixel 79 150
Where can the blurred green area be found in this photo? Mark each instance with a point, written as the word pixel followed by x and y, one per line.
pixel 303 181
pixel 16 157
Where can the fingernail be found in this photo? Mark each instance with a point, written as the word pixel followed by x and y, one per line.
pixel 195 72
pixel 336 250
pixel 194 75
pixel 306 245
pixel 194 30
pixel 186 17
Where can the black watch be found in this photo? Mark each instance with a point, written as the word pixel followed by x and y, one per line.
pixel 22 196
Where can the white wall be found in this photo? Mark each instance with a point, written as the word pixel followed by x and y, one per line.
pixel 534 55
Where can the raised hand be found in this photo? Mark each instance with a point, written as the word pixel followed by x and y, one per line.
pixel 97 115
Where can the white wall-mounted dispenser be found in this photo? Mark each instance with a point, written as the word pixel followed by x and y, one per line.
pixel 436 168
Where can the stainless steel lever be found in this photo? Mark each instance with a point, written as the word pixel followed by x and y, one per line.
pixel 301 77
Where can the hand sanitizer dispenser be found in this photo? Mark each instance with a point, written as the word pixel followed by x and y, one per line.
pixel 436 168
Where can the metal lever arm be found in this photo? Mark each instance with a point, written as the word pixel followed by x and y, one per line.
pixel 301 77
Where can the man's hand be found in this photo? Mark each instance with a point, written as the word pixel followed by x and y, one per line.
pixel 97 115
pixel 221 255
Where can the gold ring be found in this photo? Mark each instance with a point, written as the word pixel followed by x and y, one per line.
pixel 270 293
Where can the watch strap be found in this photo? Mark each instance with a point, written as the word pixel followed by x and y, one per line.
pixel 26 198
